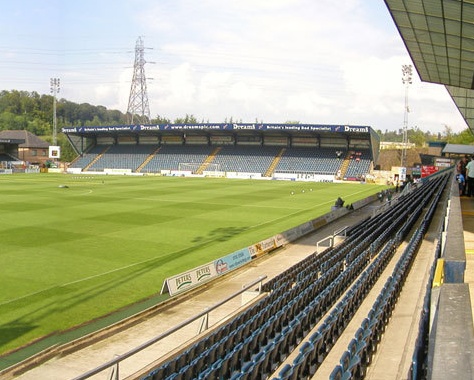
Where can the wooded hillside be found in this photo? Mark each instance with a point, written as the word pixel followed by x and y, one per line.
pixel 33 112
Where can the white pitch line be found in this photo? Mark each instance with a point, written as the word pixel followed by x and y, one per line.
pixel 77 281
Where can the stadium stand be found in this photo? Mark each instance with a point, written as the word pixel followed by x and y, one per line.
pixel 6 157
pixel 246 159
pixel 359 164
pixel 122 157
pixel 6 161
pixel 310 160
pixel 86 159
pixel 229 158
pixel 169 157
pixel 255 149
pixel 249 159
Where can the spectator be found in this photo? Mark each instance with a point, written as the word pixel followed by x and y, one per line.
pixel 462 169
pixel 339 202
pixel 461 182
pixel 470 177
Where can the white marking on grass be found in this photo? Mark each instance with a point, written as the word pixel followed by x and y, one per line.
pixel 90 191
pixel 76 281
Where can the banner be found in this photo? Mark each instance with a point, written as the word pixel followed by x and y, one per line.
pixel 186 280
pixel 262 247
pixel 232 261
pixel 222 127
pixel 427 170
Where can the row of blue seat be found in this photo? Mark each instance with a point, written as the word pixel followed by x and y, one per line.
pixel 306 363
pixel 297 308
pixel 354 361
pixel 392 250
pixel 418 367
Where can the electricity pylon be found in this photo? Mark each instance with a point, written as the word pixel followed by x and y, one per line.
pixel 138 110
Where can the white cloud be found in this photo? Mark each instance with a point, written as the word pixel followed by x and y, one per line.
pixel 319 61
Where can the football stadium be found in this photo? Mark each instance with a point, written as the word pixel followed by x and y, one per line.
pixel 153 217
pixel 244 250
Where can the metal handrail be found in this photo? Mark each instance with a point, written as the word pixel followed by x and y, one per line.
pixel 120 358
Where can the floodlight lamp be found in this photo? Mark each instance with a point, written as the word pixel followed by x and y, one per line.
pixel 407 74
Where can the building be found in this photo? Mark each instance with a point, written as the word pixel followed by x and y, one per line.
pixel 24 146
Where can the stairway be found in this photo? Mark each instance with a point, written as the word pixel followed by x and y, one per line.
pixel 208 160
pixel 345 165
pixel 148 159
pixel 274 163
pixel 97 158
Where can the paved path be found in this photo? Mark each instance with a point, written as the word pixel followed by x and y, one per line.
pixel 467 209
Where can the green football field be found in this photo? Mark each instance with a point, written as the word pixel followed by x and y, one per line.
pixel 74 248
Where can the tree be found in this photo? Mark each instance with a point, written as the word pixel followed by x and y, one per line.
pixel 448 132
pixel 160 120
pixel 188 119
pixel 464 137
pixel 67 152
pixel 416 136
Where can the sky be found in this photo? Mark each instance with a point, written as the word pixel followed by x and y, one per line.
pixel 315 62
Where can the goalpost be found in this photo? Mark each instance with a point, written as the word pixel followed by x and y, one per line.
pixel 194 167
pixel 188 167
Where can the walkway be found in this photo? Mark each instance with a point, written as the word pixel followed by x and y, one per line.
pixel 467 207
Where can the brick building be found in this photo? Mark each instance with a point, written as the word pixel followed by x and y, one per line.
pixel 30 149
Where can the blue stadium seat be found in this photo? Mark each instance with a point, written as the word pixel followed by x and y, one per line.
pixel 356 360
pixel 247 371
pixel 337 373
pixel 246 351
pixel 208 373
pixel 301 364
pixel 268 365
pixel 173 376
pixel 345 363
pixel 277 354
pixel 317 356
pixel 258 370
pixel 286 372
pixel 227 366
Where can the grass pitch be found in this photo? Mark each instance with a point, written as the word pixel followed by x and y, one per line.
pixel 74 248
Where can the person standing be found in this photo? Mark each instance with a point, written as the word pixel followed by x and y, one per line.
pixel 470 177
pixel 461 183
pixel 462 169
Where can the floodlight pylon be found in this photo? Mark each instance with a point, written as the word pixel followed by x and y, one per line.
pixel 407 80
